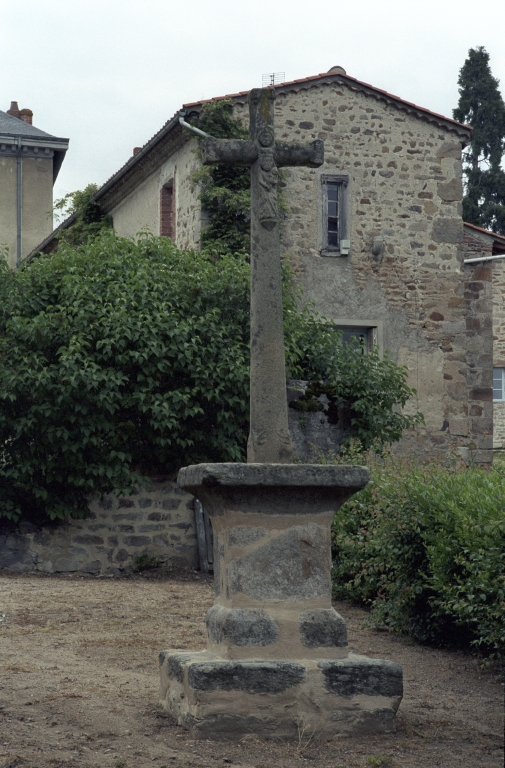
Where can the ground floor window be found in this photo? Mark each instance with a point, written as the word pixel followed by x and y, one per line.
pixel 498 384
pixel 364 338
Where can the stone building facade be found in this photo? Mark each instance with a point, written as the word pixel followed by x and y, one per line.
pixel 375 237
pixel 30 160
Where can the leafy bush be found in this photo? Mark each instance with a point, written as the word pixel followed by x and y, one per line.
pixel 116 359
pixel 425 548
pixel 122 358
pixel 90 220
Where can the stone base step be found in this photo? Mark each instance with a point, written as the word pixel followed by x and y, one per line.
pixel 220 698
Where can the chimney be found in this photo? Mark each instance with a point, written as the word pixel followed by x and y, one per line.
pixel 26 115
pixel 14 110
pixel 136 150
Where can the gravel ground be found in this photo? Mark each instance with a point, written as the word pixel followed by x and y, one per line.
pixel 79 686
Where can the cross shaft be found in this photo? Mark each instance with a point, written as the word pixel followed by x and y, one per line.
pixel 269 440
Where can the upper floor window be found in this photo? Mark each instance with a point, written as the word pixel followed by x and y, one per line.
pixel 498 383
pixel 167 210
pixel 335 226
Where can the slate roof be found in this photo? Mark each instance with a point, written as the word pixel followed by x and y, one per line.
pixel 13 126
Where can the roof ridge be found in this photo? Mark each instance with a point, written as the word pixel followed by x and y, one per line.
pixel 336 76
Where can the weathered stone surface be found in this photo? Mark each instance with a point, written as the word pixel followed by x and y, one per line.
pixel 451 191
pixel 176 663
pixel 287 567
pixel 78 545
pixel 322 628
pixel 360 675
pixel 242 537
pixel 247 676
pixel 268 475
pixel 447 231
pixel 272 698
pixel 15 554
pixel 240 626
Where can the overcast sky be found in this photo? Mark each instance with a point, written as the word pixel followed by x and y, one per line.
pixel 107 74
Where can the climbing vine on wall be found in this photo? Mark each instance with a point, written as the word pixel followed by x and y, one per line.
pixel 224 190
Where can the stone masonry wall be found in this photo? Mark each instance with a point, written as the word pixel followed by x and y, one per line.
pixel 479 244
pixel 405 187
pixel 158 522
pixel 498 269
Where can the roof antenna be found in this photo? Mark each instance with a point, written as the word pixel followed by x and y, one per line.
pixel 273 78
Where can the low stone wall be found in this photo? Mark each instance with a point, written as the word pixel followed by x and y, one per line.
pixel 155 523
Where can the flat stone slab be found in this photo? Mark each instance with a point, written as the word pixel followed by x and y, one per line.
pixel 221 698
pixel 267 475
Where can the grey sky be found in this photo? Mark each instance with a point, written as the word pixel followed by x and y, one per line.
pixel 108 73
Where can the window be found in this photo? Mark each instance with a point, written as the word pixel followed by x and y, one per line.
pixel 167 210
pixel 365 338
pixel 335 229
pixel 498 383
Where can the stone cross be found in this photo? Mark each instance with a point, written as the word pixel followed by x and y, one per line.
pixel 269 440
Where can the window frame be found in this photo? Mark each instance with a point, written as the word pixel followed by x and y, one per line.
pixel 502 382
pixel 343 247
pixel 373 329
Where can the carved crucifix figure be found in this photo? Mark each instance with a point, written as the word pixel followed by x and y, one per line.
pixel 269 440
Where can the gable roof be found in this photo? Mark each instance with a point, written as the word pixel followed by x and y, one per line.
pixel 339 77
pixel 13 128
pixel 144 162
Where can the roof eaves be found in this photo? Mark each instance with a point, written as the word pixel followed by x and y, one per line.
pixel 494 235
pixel 131 162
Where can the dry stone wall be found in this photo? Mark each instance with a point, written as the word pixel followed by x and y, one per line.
pixel 156 523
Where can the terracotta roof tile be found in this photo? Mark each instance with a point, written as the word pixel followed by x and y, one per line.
pixel 484 231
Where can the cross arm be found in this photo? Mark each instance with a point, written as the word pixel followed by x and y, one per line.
pixel 311 155
pixel 228 151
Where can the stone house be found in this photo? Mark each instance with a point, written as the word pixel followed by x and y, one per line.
pixel 30 160
pixel 375 237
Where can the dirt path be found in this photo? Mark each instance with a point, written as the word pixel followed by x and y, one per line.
pixel 79 684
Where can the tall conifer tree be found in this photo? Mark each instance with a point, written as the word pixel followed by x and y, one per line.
pixel 481 106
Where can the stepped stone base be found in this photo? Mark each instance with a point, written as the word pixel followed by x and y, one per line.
pixel 221 698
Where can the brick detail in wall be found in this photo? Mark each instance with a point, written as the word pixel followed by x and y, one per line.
pixel 167 210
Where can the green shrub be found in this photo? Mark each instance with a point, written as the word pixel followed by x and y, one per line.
pixel 425 548
pixel 120 358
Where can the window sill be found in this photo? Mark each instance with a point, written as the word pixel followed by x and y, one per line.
pixel 332 253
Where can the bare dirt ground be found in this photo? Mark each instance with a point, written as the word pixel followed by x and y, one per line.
pixel 79 686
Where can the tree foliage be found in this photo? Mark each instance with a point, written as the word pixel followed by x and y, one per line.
pixel 90 219
pixel 120 359
pixel 481 106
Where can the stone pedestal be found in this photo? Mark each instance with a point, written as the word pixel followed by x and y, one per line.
pixel 277 660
